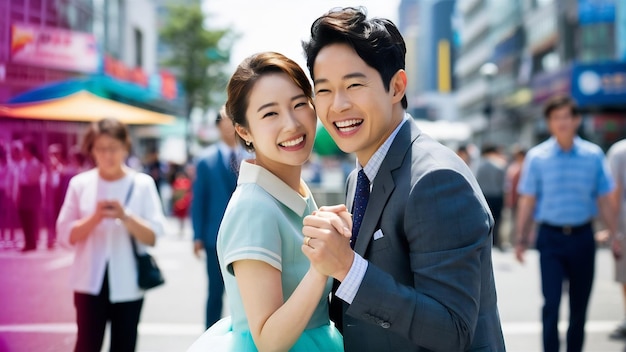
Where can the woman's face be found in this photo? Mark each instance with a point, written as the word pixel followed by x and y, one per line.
pixel 281 122
pixel 109 154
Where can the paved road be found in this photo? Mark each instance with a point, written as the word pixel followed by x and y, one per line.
pixel 36 312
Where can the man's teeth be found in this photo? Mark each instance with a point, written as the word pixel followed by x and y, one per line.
pixel 347 123
pixel 293 142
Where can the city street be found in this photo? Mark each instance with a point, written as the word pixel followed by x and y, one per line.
pixel 37 312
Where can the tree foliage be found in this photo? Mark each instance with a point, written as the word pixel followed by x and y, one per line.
pixel 198 56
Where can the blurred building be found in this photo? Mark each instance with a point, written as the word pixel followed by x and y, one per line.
pixel 51 50
pixel 428 30
pixel 508 65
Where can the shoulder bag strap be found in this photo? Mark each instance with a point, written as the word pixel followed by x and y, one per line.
pixel 128 195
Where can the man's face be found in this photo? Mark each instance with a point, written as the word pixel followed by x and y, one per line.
pixel 227 131
pixel 562 124
pixel 351 101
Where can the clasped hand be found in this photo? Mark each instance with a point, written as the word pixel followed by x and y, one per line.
pixel 110 209
pixel 328 244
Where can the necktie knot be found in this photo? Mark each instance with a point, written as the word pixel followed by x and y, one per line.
pixel 361 197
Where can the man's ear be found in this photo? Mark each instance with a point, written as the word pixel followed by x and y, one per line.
pixel 398 85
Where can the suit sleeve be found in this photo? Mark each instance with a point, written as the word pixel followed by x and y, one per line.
pixel 201 193
pixel 447 227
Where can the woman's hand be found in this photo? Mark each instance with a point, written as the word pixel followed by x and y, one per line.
pixel 113 209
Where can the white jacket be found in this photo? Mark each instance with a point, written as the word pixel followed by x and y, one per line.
pixel 109 241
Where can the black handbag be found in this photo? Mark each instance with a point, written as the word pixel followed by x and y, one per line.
pixel 148 273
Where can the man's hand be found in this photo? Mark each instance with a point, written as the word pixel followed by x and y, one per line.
pixel 198 248
pixel 520 248
pixel 327 248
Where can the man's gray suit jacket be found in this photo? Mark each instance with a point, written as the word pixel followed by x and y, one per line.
pixel 429 285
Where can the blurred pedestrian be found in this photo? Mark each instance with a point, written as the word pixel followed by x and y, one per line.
pixel 29 194
pixel 181 198
pixel 106 208
pixel 563 183
pixel 14 160
pixel 463 153
pixel 617 163
pixel 511 181
pixel 490 176
pixel 215 181
pixel 278 300
pixel 5 198
pixel 154 167
pixel 55 168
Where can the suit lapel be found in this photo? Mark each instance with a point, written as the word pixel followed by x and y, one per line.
pixel 384 184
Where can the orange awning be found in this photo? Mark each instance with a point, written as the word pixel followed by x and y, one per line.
pixel 85 107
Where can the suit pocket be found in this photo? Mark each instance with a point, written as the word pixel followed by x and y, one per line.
pixel 379 244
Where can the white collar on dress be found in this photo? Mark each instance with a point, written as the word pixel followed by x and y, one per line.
pixel 252 173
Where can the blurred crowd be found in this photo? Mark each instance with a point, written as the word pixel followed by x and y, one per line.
pixel 34 181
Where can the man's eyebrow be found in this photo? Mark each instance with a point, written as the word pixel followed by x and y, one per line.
pixel 348 76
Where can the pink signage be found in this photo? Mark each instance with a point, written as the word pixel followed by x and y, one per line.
pixel 54 48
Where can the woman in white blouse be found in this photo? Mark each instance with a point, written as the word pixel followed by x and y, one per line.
pixel 99 219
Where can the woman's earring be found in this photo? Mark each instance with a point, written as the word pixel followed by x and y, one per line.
pixel 248 143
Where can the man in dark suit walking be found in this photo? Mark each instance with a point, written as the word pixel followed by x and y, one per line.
pixel 420 274
pixel 214 183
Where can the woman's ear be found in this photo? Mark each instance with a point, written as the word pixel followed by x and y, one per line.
pixel 243 133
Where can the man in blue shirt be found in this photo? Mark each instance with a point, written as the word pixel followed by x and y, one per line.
pixel 564 181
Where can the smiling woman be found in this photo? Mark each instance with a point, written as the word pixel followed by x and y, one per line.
pixel 277 300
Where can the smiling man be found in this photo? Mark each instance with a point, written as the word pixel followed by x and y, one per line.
pixel 417 273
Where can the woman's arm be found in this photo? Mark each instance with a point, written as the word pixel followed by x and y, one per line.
pixel 276 324
pixel 138 228
pixel 81 228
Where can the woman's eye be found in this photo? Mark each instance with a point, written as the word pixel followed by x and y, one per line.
pixel 268 114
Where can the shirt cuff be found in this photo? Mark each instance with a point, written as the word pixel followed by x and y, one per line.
pixel 350 285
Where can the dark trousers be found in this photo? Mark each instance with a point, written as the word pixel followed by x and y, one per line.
pixel 496 203
pixel 216 288
pixel 29 218
pixel 92 314
pixel 564 257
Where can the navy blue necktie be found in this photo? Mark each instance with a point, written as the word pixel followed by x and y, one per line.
pixel 361 196
pixel 233 163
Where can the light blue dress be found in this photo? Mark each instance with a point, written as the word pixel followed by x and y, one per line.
pixel 263 221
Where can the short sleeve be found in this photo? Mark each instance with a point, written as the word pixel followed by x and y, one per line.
pixel 606 183
pixel 69 213
pixel 147 204
pixel 250 229
pixel 528 182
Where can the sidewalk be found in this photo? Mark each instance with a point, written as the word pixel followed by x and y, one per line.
pixel 37 313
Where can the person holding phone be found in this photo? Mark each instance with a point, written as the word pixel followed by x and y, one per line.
pixel 106 208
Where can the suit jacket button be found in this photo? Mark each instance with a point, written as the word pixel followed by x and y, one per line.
pixel 385 325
